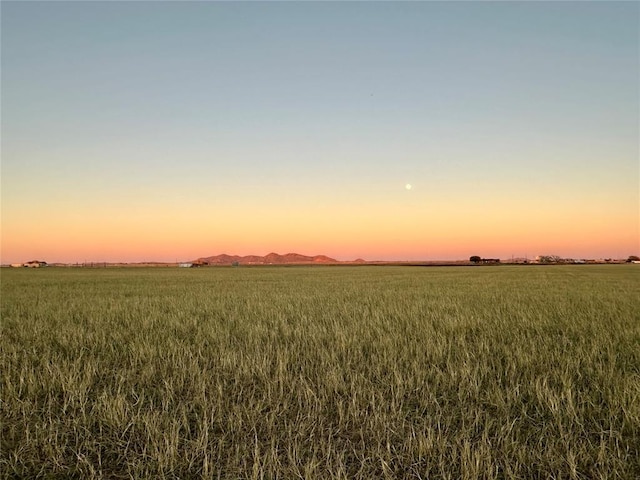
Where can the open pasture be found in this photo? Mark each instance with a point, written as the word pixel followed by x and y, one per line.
pixel 321 372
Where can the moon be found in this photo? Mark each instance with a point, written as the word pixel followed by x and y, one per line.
pixel 408 186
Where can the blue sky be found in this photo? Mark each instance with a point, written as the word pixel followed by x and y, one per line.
pixel 235 110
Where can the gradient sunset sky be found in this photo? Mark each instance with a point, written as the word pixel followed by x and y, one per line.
pixel 163 131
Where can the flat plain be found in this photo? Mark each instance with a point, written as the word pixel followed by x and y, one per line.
pixel 321 372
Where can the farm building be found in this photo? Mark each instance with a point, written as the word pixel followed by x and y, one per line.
pixel 35 264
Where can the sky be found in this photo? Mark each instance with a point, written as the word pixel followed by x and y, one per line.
pixel 164 131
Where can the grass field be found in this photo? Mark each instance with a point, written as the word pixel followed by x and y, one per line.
pixel 321 372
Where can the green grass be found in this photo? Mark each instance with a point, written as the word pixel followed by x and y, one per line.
pixel 321 372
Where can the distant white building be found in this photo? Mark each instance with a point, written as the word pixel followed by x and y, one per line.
pixel 35 264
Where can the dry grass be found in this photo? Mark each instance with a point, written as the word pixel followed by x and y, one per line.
pixel 321 372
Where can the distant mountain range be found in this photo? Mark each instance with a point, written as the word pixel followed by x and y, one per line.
pixel 270 259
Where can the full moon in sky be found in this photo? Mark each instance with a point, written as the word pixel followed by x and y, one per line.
pixel 408 186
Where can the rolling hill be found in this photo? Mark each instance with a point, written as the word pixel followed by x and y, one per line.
pixel 270 259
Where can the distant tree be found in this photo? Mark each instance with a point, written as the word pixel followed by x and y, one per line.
pixel 633 258
pixel 475 259
pixel 549 259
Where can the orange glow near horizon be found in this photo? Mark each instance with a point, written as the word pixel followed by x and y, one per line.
pixel 382 235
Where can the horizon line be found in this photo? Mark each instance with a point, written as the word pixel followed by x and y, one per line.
pixel 332 259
